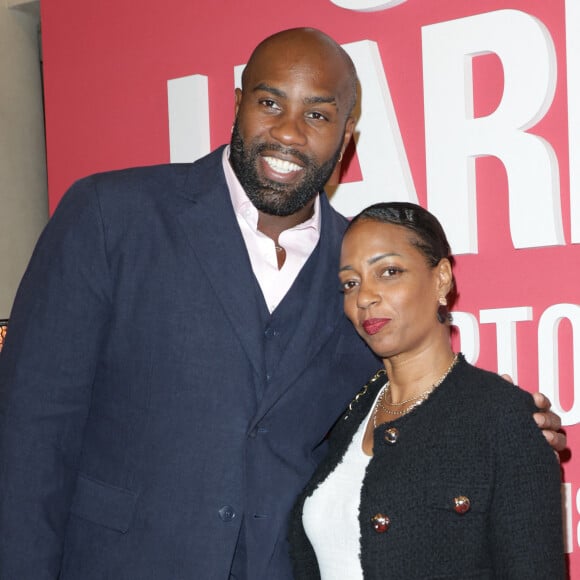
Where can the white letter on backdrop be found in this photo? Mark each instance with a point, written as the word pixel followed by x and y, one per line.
pixel 567 513
pixel 567 508
pixel 573 66
pixel 367 5
pixel 468 329
pixel 548 374
pixel 379 145
pixel 454 138
pixel 505 320
pixel 188 104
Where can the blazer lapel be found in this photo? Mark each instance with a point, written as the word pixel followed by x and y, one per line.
pixel 210 224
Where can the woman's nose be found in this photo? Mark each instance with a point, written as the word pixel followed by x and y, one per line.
pixel 367 296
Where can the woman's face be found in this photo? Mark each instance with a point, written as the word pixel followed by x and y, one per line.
pixel 391 293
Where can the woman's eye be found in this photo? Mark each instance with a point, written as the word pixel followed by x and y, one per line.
pixel 347 286
pixel 391 271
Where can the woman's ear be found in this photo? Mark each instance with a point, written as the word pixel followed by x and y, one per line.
pixel 444 277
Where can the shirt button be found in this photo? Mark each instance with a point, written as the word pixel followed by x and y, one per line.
pixel 227 513
pixel 391 435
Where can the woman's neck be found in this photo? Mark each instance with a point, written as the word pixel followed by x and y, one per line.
pixel 412 374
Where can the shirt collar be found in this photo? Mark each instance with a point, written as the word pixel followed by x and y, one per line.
pixel 244 208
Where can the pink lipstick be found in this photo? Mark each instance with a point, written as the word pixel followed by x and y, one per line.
pixel 373 325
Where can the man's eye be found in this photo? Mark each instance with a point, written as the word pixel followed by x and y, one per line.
pixel 269 103
pixel 317 116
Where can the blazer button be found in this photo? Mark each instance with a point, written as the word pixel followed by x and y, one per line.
pixel 380 523
pixel 461 504
pixel 391 435
pixel 227 513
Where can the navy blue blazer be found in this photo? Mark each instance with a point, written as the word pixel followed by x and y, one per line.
pixel 140 434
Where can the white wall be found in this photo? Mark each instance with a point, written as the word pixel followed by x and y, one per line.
pixel 23 192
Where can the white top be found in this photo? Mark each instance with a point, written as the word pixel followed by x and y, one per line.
pixel 330 514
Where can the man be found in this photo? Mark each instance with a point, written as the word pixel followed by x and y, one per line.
pixel 177 350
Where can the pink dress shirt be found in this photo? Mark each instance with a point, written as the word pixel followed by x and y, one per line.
pixel 299 242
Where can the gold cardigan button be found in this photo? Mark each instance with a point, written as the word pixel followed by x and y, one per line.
pixel 462 504
pixel 391 435
pixel 380 523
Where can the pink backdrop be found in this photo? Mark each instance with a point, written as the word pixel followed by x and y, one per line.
pixel 107 68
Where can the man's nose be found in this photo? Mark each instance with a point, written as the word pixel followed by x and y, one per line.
pixel 289 130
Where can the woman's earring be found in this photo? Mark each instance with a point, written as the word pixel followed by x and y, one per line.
pixel 443 315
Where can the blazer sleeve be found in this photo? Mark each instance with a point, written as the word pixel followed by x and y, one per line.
pixel 46 372
pixel 526 511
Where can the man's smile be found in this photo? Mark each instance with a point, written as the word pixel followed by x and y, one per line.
pixel 281 165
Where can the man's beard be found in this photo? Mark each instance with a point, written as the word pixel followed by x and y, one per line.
pixel 271 197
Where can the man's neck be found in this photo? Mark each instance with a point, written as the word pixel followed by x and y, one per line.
pixel 273 225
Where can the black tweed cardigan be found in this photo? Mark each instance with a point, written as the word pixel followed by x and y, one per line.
pixel 473 437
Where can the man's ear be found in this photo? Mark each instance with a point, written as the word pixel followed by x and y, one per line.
pixel 238 101
pixel 348 132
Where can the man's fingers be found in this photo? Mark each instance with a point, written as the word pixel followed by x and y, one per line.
pixel 556 439
pixel 548 420
pixel 541 401
pixel 508 378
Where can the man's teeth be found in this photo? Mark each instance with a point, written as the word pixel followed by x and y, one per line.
pixel 281 165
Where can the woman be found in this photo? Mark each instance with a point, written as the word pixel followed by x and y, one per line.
pixel 440 471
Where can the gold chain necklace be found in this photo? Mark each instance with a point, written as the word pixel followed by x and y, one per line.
pixel 418 399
